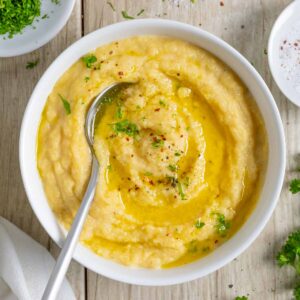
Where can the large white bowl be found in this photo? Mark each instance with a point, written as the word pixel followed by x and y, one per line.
pixel 274 175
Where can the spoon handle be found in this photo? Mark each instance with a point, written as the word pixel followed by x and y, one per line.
pixel 70 243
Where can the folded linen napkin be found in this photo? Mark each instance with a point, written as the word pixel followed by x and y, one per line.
pixel 25 266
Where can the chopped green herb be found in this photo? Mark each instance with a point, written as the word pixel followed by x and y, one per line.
pixel 126 127
pixel 16 15
pixel 193 1
pixel 89 60
pixel 162 103
pixel 222 225
pixel 158 143
pixel 66 104
pixel 173 168
pixel 86 78
pixel 140 12
pixel 180 191
pixel 241 298
pixel 177 153
pixel 111 5
pixel 295 186
pixel 45 16
pixel 55 1
pixel 172 180
pixel 199 224
pixel 126 16
pixel 186 181
pixel 119 112
pixel 265 51
pixel 192 246
pixel 148 174
pixel 296 292
pixel 32 64
pixel 109 168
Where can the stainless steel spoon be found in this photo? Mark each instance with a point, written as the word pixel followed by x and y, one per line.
pixel 92 118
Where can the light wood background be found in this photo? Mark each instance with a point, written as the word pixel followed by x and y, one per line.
pixel 245 24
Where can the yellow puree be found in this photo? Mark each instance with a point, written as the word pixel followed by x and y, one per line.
pixel 185 177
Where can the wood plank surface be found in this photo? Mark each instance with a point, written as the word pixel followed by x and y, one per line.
pixel 245 24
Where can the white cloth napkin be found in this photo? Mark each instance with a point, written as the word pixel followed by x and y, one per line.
pixel 25 266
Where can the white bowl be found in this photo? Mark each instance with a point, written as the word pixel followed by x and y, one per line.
pixel 45 29
pixel 274 175
pixel 284 65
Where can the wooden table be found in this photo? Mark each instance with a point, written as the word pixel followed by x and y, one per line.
pixel 245 24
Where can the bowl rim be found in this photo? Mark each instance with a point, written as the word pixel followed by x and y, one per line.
pixel 217 259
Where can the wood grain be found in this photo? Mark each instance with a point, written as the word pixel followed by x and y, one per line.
pixel 243 24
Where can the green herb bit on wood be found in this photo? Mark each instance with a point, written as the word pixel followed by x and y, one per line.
pixel 32 64
pixel 241 298
pixel 140 12
pixel 295 186
pixel 111 5
pixel 126 127
pixel 89 60
pixel 199 224
pixel 86 78
pixel 66 104
pixel 126 16
pixel 222 225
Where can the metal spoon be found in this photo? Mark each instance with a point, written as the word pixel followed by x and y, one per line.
pixel 92 118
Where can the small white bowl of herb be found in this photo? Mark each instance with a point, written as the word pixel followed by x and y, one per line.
pixel 29 24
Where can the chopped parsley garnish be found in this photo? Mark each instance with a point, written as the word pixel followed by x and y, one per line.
pixel 172 180
pixel 86 78
pixel 111 5
pixel 192 246
pixel 32 64
pixel 126 127
pixel 16 15
pixel 55 1
pixel 222 225
pixel 119 112
pixel 241 298
pixel 158 143
pixel 180 191
pixel 173 168
pixel 148 174
pixel 199 224
pixel 45 16
pixel 89 60
pixel 66 104
pixel 162 103
pixel 140 12
pixel 295 186
pixel 126 16
pixel 177 153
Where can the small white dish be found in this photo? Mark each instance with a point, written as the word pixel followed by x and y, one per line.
pixel 41 31
pixel 263 97
pixel 284 52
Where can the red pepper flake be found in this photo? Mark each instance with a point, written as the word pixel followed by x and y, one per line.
pixel 157 109
pixel 216 241
pixel 221 3
pixel 151 134
pixel 121 73
pixel 178 74
pixel 181 136
pixel 102 61
pixel 151 182
pixel 127 139
pixel 132 155
pixel 110 52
